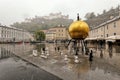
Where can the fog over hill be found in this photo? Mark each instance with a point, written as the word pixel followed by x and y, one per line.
pixel 44 22
pixel 55 19
pixel 95 20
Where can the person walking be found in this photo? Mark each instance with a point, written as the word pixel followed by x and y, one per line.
pixel 43 49
pixel 91 56
pixel 58 48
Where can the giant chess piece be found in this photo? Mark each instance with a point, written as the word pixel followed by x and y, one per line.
pixel 66 57
pixel 76 59
pixel 35 53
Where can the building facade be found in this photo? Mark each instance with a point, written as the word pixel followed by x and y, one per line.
pixel 50 35
pixel 57 33
pixel 11 34
pixel 106 30
pixel 105 34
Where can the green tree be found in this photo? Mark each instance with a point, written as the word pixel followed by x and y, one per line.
pixel 39 35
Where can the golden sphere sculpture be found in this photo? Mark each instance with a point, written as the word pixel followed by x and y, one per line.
pixel 78 30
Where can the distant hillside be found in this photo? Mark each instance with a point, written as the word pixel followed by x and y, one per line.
pixel 42 23
pixel 54 19
pixel 94 20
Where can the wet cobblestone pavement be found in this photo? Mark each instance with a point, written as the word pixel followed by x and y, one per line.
pixel 13 67
pixel 101 68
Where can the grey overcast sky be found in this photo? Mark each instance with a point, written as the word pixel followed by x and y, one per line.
pixel 17 10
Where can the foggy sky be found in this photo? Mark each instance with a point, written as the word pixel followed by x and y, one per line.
pixel 17 10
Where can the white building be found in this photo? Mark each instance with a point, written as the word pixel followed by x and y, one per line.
pixel 12 34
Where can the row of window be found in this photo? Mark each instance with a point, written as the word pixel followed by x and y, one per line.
pixel 102 28
pixel 107 35
pixel 60 34
pixel 60 30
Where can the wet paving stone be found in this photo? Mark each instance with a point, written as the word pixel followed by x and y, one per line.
pixel 103 66
pixel 13 68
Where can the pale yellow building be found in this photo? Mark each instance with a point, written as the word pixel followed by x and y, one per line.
pixel 50 35
pixel 57 33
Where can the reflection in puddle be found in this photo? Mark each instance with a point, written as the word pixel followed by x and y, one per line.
pixel 81 67
pixel 101 53
pixel 14 68
pixel 4 53
pixel 110 53
pixel 105 64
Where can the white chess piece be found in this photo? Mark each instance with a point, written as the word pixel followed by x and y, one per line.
pixel 42 51
pixel 66 58
pixel 35 53
pixel 61 53
pixel 43 56
pixel 47 53
pixel 76 59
